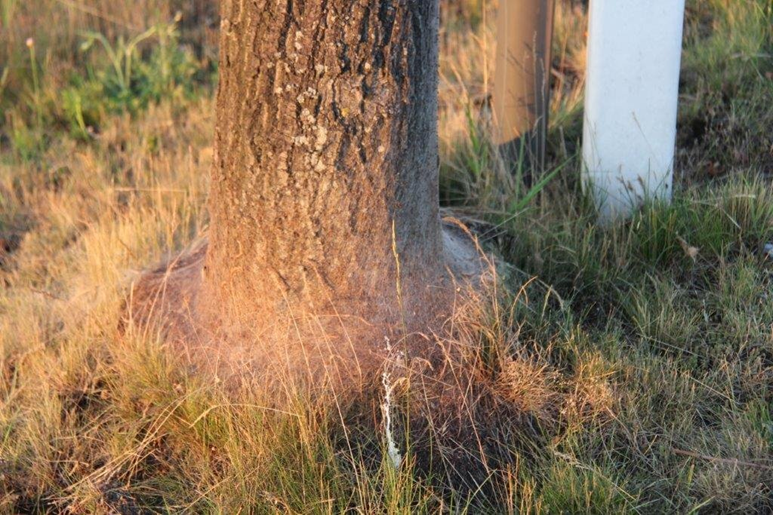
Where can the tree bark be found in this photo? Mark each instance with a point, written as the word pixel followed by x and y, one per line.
pixel 324 189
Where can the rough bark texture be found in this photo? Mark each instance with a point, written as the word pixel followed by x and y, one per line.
pixel 326 161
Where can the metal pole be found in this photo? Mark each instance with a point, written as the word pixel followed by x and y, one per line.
pixel 521 82
pixel 631 92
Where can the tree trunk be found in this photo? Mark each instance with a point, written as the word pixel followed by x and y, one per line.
pixel 324 189
pixel 325 233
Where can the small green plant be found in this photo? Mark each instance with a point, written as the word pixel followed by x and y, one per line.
pixel 112 76
pixel 136 74
pixel 84 106
pixel 25 141
pixel 120 56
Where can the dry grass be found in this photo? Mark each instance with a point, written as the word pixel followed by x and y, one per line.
pixel 614 370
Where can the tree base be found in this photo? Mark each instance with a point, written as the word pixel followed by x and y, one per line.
pixel 318 348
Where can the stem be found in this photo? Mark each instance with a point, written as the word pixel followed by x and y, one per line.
pixel 36 88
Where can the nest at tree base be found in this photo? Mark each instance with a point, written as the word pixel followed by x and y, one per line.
pixel 342 352
pixel 321 342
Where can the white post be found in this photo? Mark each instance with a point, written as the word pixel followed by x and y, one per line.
pixel 629 132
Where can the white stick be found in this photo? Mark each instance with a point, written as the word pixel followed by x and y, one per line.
pixel 634 51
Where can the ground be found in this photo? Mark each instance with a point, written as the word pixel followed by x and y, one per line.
pixel 634 363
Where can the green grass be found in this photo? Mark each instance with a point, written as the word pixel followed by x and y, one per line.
pixel 620 369
pixel 53 91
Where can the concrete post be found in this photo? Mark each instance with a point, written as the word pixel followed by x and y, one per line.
pixel 631 92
